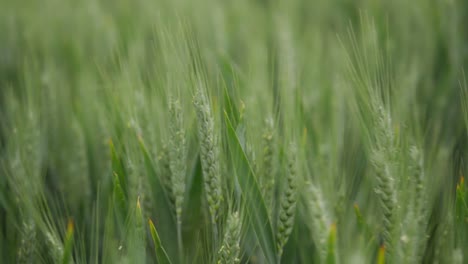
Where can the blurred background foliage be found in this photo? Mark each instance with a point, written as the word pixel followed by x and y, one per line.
pixel 77 75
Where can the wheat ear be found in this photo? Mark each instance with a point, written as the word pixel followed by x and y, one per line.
pixel 177 163
pixel 209 154
pixel 384 162
pixel 27 245
pixel 229 251
pixel 287 210
pixel 55 246
pixel 418 211
pixel 165 174
pixel 320 220
pixel 267 173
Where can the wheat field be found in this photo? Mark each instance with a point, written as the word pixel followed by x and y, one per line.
pixel 248 131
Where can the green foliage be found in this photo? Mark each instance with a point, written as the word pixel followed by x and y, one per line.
pixel 113 112
pixel 161 254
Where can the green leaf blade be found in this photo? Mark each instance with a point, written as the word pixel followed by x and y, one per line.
pixel 255 205
pixel 161 254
